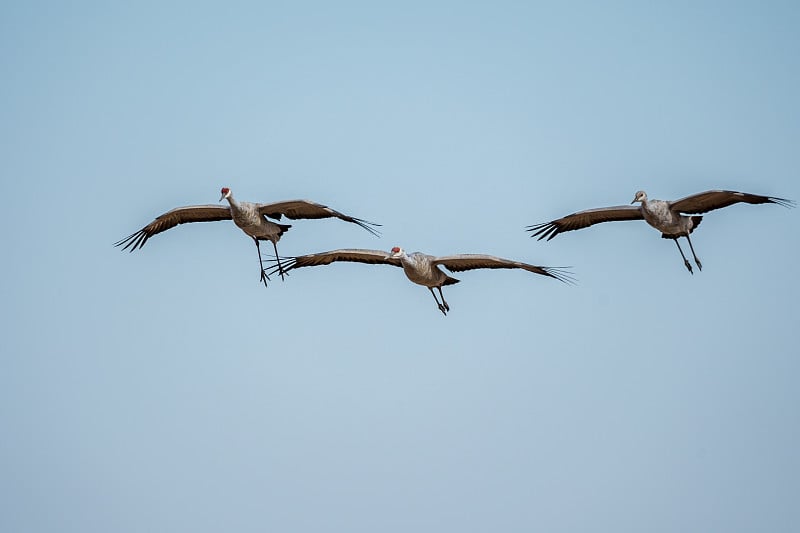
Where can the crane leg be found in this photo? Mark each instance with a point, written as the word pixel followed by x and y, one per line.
pixel 442 308
pixel 696 260
pixel 685 261
pixel 278 259
pixel 264 276
pixel 443 302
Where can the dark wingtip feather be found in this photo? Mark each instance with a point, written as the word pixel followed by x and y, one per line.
pixel 531 229
pixel 367 226
pixel 546 229
pixel 287 264
pixel 783 202
pixel 132 241
pixel 125 240
pixel 562 274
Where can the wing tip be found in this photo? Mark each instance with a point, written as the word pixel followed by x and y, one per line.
pixel 367 225
pixel 544 230
pixel 133 241
pixel 785 202
pixel 562 274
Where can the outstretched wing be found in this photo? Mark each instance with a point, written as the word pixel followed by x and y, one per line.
pixel 461 262
pixel 372 257
pixel 584 219
pixel 710 200
pixel 170 219
pixel 295 209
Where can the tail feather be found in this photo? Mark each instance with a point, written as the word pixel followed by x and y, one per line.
pixel 450 281
pixel 674 236
pixel 282 228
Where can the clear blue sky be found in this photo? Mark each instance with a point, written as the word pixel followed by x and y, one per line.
pixel 166 390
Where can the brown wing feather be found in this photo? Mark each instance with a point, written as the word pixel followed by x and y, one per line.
pixel 462 262
pixel 584 219
pixel 297 209
pixel 170 219
pixel 709 200
pixel 349 255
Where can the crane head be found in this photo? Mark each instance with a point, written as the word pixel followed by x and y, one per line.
pixel 641 196
pixel 226 192
pixel 397 251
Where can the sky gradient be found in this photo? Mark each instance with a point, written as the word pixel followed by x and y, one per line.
pixel 166 390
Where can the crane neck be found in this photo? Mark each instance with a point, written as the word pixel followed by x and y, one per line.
pixel 232 201
pixel 408 260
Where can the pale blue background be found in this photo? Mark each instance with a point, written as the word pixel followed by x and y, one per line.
pixel 167 391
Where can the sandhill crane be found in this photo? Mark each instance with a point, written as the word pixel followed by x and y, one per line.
pixel 421 268
pixel 249 216
pixel 663 215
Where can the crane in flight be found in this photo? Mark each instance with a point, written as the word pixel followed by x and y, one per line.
pixel 421 268
pixel 666 216
pixel 251 217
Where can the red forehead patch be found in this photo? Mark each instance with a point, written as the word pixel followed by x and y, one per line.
pixel 225 190
pixel 395 249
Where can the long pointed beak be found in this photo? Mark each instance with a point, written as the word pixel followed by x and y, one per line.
pixel 633 201
pixel 223 197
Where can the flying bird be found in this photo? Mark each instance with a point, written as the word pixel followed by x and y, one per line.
pixel 249 216
pixel 421 268
pixel 666 216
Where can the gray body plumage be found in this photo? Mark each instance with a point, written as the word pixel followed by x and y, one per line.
pixel 658 214
pixel 420 269
pixel 247 216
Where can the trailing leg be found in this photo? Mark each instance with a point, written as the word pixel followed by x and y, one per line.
pixel 443 302
pixel 442 308
pixel 685 261
pixel 264 276
pixel 278 259
pixel 696 260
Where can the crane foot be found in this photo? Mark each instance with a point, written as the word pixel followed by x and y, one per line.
pixel 688 266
